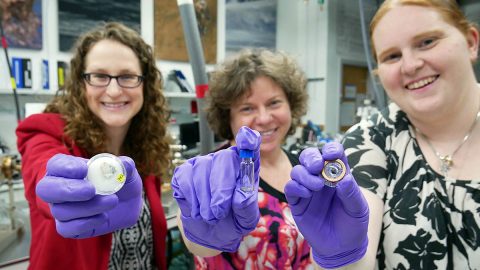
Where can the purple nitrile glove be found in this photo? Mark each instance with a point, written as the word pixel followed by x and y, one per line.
pixel 334 220
pixel 78 212
pixel 216 213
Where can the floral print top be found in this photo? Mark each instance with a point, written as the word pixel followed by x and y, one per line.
pixel 428 222
pixel 275 243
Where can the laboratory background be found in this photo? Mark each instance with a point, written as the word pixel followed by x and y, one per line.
pixel 328 38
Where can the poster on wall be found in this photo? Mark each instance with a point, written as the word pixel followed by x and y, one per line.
pixel 169 36
pixel 250 24
pixel 22 23
pixel 76 17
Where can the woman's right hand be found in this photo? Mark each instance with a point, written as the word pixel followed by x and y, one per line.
pixel 215 212
pixel 334 220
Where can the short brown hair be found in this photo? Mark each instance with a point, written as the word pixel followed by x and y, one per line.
pixel 146 142
pixel 231 81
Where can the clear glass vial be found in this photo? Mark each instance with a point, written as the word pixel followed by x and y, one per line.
pixel 107 173
pixel 333 171
pixel 247 171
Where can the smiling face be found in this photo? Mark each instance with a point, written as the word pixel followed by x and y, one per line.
pixel 423 61
pixel 114 105
pixel 265 109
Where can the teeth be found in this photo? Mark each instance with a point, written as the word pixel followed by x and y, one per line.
pixel 114 105
pixel 266 133
pixel 421 83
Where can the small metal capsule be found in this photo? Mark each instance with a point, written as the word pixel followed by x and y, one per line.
pixel 333 171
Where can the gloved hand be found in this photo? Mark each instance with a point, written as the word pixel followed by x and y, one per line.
pixel 78 212
pixel 216 213
pixel 334 221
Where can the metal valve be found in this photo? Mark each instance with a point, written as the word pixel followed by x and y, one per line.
pixel 10 167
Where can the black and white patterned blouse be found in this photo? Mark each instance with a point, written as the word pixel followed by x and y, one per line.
pixel 428 222
pixel 132 247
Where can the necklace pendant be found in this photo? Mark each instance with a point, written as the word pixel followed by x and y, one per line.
pixel 446 161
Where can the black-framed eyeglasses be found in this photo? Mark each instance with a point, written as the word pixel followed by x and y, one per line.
pixel 103 80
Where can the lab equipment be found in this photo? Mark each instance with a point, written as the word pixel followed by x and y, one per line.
pixel 367 110
pixel 333 171
pixel 246 170
pixel 195 53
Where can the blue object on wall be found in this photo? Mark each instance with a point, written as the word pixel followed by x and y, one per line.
pixel 22 72
pixel 45 75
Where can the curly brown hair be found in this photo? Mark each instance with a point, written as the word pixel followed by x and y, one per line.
pixel 146 142
pixel 231 81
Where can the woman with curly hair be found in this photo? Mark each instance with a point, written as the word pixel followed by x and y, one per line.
pixel 112 103
pixel 266 92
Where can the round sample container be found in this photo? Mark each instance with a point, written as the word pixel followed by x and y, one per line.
pixel 333 171
pixel 107 173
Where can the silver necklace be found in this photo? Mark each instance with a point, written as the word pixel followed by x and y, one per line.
pixel 446 161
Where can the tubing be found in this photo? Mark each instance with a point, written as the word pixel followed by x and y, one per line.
pixel 380 101
pixel 195 53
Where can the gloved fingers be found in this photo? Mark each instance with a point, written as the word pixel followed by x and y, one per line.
pixel 129 165
pixel 183 190
pixel 298 197
pixel 54 189
pixel 295 192
pixel 133 182
pixel 201 183
pixel 223 178
pixel 245 208
pixel 334 150
pixel 312 160
pixel 81 227
pixel 303 177
pixel 351 196
pixel 67 166
pixel 248 139
pixel 245 203
pixel 74 210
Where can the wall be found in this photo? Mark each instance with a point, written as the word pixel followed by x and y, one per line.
pixel 50 51
pixel 324 38
pixel 305 29
pixel 302 30
pixel 50 47
pixel 147 19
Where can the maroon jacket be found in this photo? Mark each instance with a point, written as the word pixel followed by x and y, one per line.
pixel 39 137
